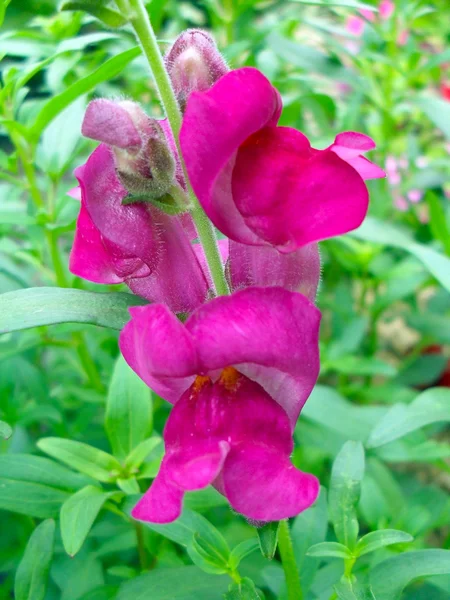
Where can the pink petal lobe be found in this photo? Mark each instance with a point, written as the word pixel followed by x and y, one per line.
pixel 269 334
pixel 263 485
pixel 298 271
pixel 196 466
pixel 215 124
pixel 162 503
pixel 291 195
pixel 89 258
pixel 160 350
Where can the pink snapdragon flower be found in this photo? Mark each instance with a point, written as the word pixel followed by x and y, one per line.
pixel 238 371
pixel 263 184
pixel 135 244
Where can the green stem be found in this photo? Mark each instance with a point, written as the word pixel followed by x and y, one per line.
pixel 141 546
pixel 291 574
pixel 140 21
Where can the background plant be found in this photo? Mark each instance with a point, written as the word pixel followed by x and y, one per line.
pixel 79 437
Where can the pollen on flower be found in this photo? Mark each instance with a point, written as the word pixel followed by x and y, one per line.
pixel 229 378
pixel 200 381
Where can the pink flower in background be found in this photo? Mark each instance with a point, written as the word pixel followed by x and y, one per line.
pixel 262 184
pixel 415 196
pixel 355 25
pixel 134 244
pixel 386 9
pixel 239 371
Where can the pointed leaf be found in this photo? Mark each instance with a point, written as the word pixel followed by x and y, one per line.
pixel 108 16
pixel 128 419
pixel 33 307
pixel 329 549
pixel 379 539
pixel 32 573
pixel 78 514
pixel 390 577
pixel 244 590
pixel 242 550
pixel 82 457
pixel 268 538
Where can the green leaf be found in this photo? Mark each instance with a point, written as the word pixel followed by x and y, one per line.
pixel 346 3
pixel 437 110
pixel 390 577
pixel 78 514
pixel 107 71
pixel 244 590
pixel 310 527
pixel 32 499
pixel 438 221
pixel 329 549
pixel 240 551
pixel 207 554
pixel 345 489
pixel 268 538
pixel 434 325
pixel 5 430
pixel 37 469
pixel 380 232
pixel 180 583
pixel 431 406
pixel 32 573
pixel 379 539
pixel 137 456
pixel 34 307
pixel 128 419
pixel 129 485
pixel 82 457
pixel 108 16
pixel 353 590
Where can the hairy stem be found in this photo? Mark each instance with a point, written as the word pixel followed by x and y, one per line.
pixel 291 574
pixel 140 21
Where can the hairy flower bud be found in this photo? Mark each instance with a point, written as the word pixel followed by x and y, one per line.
pixel 145 163
pixel 194 64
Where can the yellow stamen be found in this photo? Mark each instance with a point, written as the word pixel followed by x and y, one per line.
pixel 200 381
pixel 229 378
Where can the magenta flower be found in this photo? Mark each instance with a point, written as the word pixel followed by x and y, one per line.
pixel 239 371
pixel 263 184
pixel 135 244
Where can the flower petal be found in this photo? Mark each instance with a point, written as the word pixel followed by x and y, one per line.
pixel 215 124
pixel 263 485
pixel 298 271
pixel 89 258
pixel 160 350
pixel 111 123
pixel 196 466
pixel 349 146
pixel 128 228
pixel 292 195
pixel 162 503
pixel 269 334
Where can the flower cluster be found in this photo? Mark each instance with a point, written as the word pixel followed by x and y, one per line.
pixel 237 368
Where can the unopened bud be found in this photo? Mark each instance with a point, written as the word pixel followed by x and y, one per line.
pixel 194 64
pixel 144 161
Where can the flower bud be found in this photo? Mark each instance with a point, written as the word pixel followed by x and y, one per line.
pixel 144 160
pixel 194 64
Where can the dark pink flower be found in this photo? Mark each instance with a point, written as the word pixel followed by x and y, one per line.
pixel 263 184
pixel 136 244
pixel 239 371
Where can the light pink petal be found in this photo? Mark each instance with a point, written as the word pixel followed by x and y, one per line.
pixel 292 195
pixel 269 334
pixel 160 350
pixel 215 124
pixel 196 466
pixel 162 503
pixel 75 193
pixel 349 146
pixel 355 25
pixel 263 485
pixel 386 9
pixel 89 258
pixel 298 271
pixel 365 168
pixel 110 123
pixel 368 14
